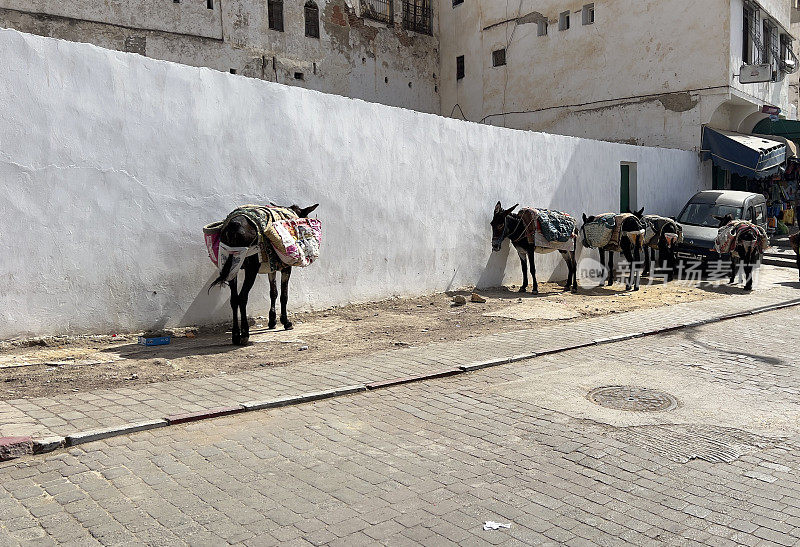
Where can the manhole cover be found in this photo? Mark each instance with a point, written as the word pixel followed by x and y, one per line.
pixel 638 399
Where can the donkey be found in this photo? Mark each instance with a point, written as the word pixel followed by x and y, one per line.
pixel 628 239
pixel 240 232
pixel 664 234
pixel 795 241
pixel 506 224
pixel 746 247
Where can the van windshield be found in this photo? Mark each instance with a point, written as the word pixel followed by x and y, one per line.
pixel 701 214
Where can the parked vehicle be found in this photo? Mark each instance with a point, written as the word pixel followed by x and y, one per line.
pixel 700 227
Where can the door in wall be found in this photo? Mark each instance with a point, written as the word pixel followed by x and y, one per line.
pixel 625 188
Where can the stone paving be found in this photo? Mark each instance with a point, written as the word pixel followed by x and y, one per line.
pixel 428 463
pixel 66 414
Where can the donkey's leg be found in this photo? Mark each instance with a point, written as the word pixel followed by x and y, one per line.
pixel 273 296
pixel 523 260
pixel 235 334
pixel 610 268
pixel 649 257
pixel 637 261
pixel 285 274
pixel 532 264
pixel 251 266
pixel 572 262
pixel 734 268
pixel 565 256
pixel 750 260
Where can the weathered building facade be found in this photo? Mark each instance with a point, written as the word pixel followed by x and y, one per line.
pixel 376 50
pixel 649 72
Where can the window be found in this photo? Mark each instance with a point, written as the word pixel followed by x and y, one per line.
pixel 417 16
pixel 459 67
pixel 587 14
pixel 233 71
pixel 299 76
pixel 457 2
pixel 275 14
pixel 499 57
pixel 312 19
pixel 747 20
pixel 563 20
pixel 542 28
pixel 766 54
pixel 210 4
pixel 379 10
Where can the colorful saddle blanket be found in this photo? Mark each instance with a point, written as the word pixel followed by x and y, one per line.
pixel 548 226
pixel 728 236
pixel 296 240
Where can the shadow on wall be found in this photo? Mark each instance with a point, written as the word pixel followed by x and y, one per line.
pixel 206 305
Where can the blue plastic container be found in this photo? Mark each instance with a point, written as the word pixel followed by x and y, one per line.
pixel 156 341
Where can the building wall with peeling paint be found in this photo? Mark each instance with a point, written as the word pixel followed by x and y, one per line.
pixel 354 56
pixel 648 72
pixel 119 161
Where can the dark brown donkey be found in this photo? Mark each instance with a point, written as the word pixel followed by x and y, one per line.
pixel 746 245
pixel 628 239
pixel 241 232
pixel 506 224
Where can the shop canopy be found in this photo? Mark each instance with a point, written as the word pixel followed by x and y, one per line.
pixel 783 128
pixel 746 155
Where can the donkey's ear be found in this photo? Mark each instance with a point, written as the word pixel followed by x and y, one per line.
pixel 717 217
pixel 512 208
pixel 640 212
pixel 498 208
pixel 303 213
pixel 584 217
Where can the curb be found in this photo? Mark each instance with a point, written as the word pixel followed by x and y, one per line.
pixel 304 398
pixel 98 434
pixel 13 447
pixel 410 379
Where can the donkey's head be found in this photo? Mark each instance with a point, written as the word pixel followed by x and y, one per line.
pixel 724 220
pixel 499 225
pixel 638 214
pixel 303 212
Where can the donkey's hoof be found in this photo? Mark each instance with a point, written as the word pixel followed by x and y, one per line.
pixel 271 326
pixel 535 290
pixel 522 289
pixel 574 290
pixel 636 288
pixel 236 340
pixel 627 287
pixel 244 340
pixel 288 325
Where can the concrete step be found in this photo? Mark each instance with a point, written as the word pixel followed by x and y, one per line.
pixel 781 262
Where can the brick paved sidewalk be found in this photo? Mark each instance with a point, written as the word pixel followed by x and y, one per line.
pixel 71 413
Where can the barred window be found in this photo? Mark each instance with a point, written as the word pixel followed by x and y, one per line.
pixel 379 10
pixel 312 19
pixel 275 14
pixel 417 16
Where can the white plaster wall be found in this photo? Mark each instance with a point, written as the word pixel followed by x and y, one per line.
pixel 111 163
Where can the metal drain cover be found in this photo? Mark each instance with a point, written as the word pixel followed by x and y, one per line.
pixel 633 398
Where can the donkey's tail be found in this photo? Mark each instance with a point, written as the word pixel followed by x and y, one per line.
pixel 223 273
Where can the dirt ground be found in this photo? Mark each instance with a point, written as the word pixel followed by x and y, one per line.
pixel 49 366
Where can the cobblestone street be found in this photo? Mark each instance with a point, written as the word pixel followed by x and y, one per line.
pixel 430 462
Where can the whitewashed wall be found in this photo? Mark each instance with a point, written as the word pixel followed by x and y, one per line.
pixel 111 163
